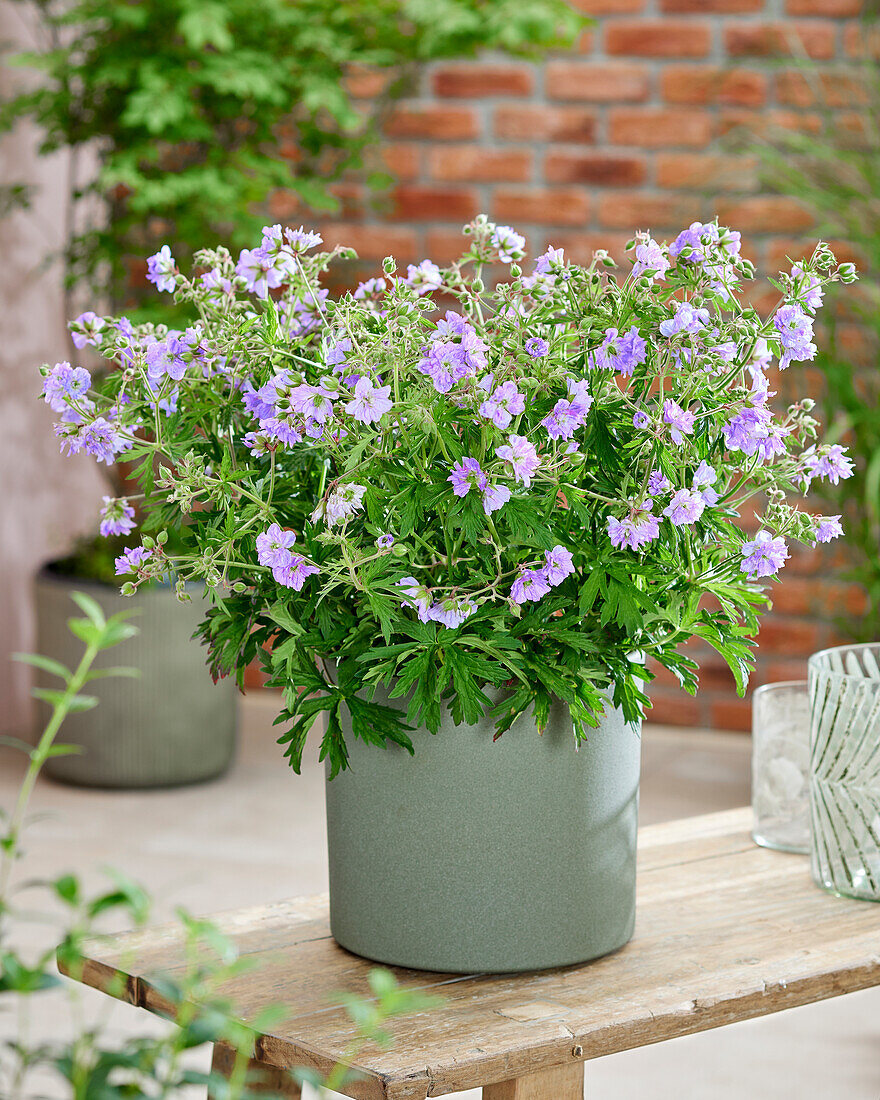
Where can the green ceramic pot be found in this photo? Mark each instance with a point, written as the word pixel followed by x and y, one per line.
pixel 482 855
pixel 171 726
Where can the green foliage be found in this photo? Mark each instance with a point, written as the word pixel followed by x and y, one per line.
pixel 199 110
pixel 835 174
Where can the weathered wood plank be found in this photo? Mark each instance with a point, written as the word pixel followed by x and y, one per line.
pixel 260 1077
pixel 562 1083
pixel 725 931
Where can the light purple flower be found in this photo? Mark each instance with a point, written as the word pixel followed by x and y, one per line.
pixel 680 421
pixel 274 546
pixel 259 443
pixel 117 517
pixel 536 347
pixel 465 474
pixel 829 461
pixel 795 330
pixel 494 496
pixel 810 292
pixel 87 329
pixel 131 559
pixel 531 584
pixel 161 269
pixel 620 353
pixel 64 385
pixel 658 483
pixel 165 358
pixel 102 440
pixel 551 256
pixel 452 611
pixel 522 458
pixel 259 270
pixel 385 542
pixel 686 318
pixel 508 244
pixel 558 564
pixel 370 288
pixel 634 530
pixel 651 260
pixel 370 402
pixel 753 431
pixel 424 277
pixel 565 419
pixel 641 419
pixel 293 572
pixel 686 506
pixel 418 596
pixel 503 405
pixel 764 555
pixel 828 528
pixel 704 478
pixel 301 240
pixel 343 502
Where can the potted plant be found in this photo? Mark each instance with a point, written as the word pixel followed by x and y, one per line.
pixel 458 534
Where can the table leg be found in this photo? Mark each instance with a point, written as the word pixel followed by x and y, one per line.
pixel 261 1076
pixel 560 1083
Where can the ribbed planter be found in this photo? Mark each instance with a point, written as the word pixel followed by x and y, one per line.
pixel 474 854
pixel 171 726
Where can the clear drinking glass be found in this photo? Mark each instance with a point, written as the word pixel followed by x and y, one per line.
pixel 781 765
pixel 845 769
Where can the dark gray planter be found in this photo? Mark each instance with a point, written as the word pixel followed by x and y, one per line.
pixel 476 855
pixel 171 726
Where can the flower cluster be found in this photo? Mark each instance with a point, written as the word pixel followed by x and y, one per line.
pixel 522 488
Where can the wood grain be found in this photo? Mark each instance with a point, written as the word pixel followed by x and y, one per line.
pixel 561 1083
pixel 725 931
pixel 260 1077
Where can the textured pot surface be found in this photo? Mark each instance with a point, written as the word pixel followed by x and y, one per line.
pixel 171 726
pixel 517 854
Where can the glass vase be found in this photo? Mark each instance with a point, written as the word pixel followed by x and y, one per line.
pixel 781 766
pixel 844 685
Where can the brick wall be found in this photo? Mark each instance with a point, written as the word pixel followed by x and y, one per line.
pixel 625 133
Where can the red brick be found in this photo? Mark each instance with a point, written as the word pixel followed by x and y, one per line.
pixel 445 245
pixel 731 714
pixel 473 81
pixel 371 242
pixel 580 247
pixel 474 164
pixel 763 121
pixel 647 211
pixel 696 171
pixel 416 120
pixel 365 83
pixel 790 636
pixel 543 206
pixel 765 214
pixel 535 123
pixel 426 204
pixel 702 84
pixel 837 89
pixel 284 204
pixel 861 40
pixel 608 7
pixel 774 39
pixel 673 708
pixel 776 671
pixel 656 127
pixel 834 8
pixel 660 38
pixel 596 83
pixel 711 7
pixel 401 159
pixel 795 596
pixel 596 168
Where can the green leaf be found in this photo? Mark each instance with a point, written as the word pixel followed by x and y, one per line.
pixel 90 608
pixel 47 664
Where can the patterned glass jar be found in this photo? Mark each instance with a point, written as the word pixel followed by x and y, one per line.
pixel 781 766
pixel 844 687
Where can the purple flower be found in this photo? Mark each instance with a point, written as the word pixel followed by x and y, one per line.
pixel 103 440
pixel 681 422
pixel 634 530
pixel 531 584
pixel 508 244
pixel 580 396
pixel 641 419
pixel 809 288
pixel 764 555
pixel 117 517
pixel 452 611
pixel 704 478
pixel 370 402
pixel 161 269
pixel 418 596
pixel 259 270
pixel 165 357
pixel 493 498
pixel 828 528
pixel 424 277
pixel 342 503
pixel 293 572
pixel 690 243
pixel 385 542
pixel 522 458
pixel 503 405
pixel 685 319
pixel 274 545
pixel 465 474
pixel 795 330
pixel 565 419
pixel 301 240
pixel 685 506
pixel 370 288
pixel 259 444
pixel 620 353
pixel 558 565
pixel 753 431
pixel 131 559
pixel 830 461
pixel 87 329
pixel 536 347
pixel 658 483
pixel 64 385
pixel 551 256
pixel 650 260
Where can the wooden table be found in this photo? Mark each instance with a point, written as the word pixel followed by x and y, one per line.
pixel 725 931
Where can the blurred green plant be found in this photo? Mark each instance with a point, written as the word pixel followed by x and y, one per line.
pixel 835 174
pixel 92 1066
pixel 183 103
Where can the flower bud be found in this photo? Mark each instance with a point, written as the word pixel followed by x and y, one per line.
pixel 162 538
pixel 389 265
pixel 128 589
pixel 515 270
pixel 847 273
pixel 478 286
pixel 148 542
